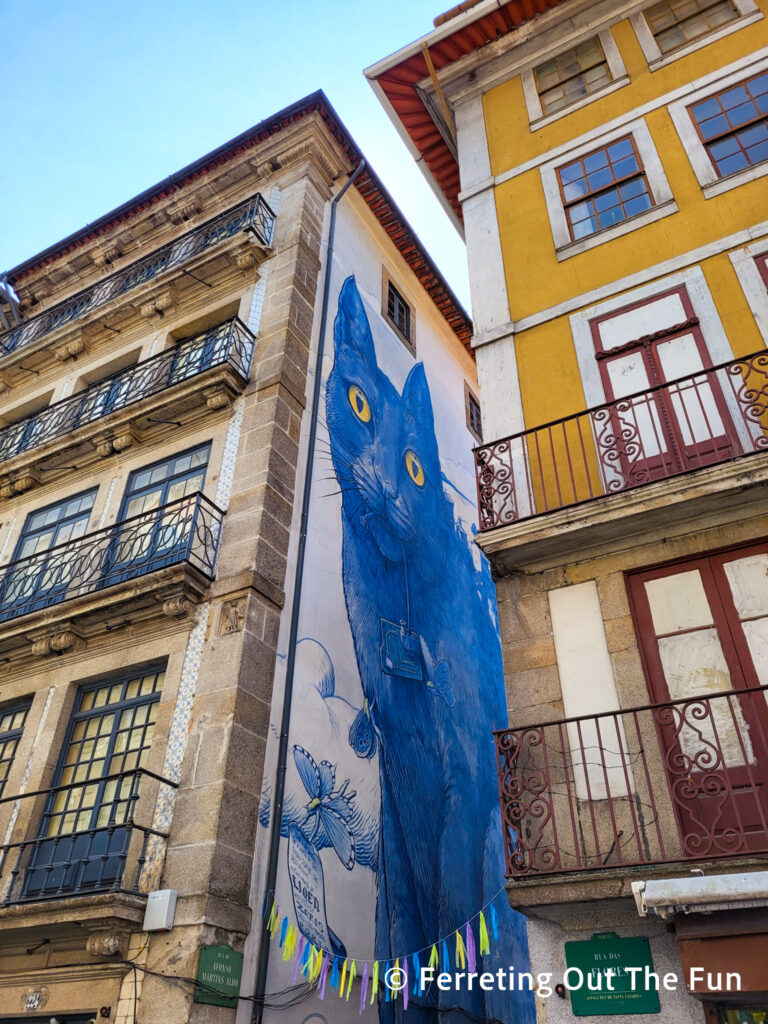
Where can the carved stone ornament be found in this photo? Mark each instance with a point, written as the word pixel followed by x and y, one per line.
pixel 71 350
pixel 232 616
pixel 184 210
pixel 106 942
pixel 57 643
pixel 179 606
pixel 106 255
pixel 216 398
pixel 157 305
pixel 106 446
pixel 11 486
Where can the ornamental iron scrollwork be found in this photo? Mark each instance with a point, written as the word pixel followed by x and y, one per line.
pixel 689 423
pixel 253 216
pixel 683 780
pixel 186 531
pixel 229 343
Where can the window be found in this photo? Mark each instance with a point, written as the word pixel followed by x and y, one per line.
pixel 42 567
pixel 572 75
pixel 604 188
pixel 12 718
pixel 474 416
pixel 399 312
pixel 595 195
pixel 670 30
pixel 159 539
pixel 675 23
pixel 84 832
pixel 733 125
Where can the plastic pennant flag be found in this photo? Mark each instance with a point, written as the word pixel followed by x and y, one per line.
pixel 363 987
pixel 417 989
pixel 375 982
pixel 288 944
pixel 352 976
pixel 283 931
pixel 388 995
pixel 485 946
pixel 471 952
pixel 343 979
pixel 396 993
pixel 446 959
pixel 323 977
pixel 405 983
pixel 309 960
pixel 299 956
pixel 264 904
pixel 461 953
pixel 434 959
pixel 272 916
pixel 275 926
pixel 314 974
pixel 495 923
pixel 335 973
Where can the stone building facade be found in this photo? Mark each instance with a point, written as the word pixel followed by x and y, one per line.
pixel 155 371
pixel 607 162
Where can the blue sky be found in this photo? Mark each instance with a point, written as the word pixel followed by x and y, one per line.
pixel 102 98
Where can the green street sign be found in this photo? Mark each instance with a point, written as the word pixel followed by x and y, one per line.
pixel 609 975
pixel 218 976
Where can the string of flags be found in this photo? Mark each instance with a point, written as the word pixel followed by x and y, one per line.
pixel 320 967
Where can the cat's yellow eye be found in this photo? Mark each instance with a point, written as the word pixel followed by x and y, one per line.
pixel 414 467
pixel 359 403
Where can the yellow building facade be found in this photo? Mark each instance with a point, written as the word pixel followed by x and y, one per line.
pixel 606 163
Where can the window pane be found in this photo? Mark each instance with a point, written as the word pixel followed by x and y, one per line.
pixel 571 75
pixel 676 22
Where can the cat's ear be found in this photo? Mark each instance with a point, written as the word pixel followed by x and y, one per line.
pixel 417 400
pixel 351 330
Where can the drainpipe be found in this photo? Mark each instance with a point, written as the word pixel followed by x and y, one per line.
pixel 290 668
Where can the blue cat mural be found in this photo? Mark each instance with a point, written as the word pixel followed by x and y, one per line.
pixel 429 659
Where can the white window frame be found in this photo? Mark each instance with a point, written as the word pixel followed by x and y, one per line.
pixel 711 182
pixel 619 78
pixel 663 200
pixel 748 13
pixel 745 264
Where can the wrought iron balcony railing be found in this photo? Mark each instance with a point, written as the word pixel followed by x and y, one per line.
pixel 230 343
pixel 186 531
pixel 86 839
pixel 682 781
pixel 710 417
pixel 254 216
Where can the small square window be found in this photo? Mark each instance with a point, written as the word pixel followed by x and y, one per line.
pixel 474 416
pixel 572 75
pixel 398 311
pixel 676 23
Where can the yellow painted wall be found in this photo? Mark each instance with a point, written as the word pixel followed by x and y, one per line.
pixel 550 380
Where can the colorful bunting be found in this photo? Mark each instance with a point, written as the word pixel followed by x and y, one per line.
pixel 318 965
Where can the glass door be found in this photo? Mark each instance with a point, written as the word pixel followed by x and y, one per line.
pixel 43 565
pixel 677 419
pixel 702 626
pixel 159 536
pixel 83 837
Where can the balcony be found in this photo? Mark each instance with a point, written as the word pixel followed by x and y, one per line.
pixel 565 475
pixel 158 562
pixel 142 401
pixel 665 784
pixel 253 219
pixel 93 855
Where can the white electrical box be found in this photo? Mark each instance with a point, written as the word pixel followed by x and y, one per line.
pixel 161 906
